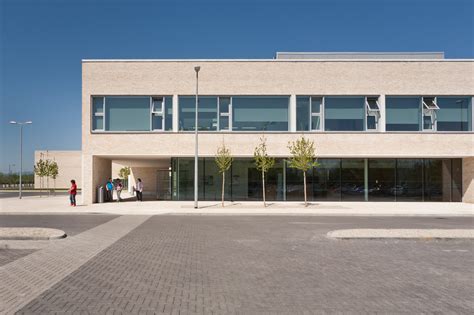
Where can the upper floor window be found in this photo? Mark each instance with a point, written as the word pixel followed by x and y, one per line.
pixel 344 113
pixel 207 113
pixel 131 113
pixel 403 113
pixel 454 114
pixel 309 111
pixel 260 113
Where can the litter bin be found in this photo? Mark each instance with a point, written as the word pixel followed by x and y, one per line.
pixel 100 194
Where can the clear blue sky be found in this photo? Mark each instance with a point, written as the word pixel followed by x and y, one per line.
pixel 43 41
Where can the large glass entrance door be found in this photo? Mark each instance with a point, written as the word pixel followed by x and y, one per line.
pixel 163 184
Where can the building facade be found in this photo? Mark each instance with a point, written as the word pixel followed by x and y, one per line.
pixel 69 167
pixel 397 128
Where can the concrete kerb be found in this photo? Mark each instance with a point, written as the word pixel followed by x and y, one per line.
pixel 30 233
pixel 402 234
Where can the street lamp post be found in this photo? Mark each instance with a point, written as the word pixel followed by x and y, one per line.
pixel 197 68
pixel 21 148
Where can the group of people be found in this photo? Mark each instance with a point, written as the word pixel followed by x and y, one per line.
pixel 118 187
pixel 110 186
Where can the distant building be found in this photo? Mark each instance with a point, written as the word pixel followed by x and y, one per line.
pixel 387 126
pixel 69 164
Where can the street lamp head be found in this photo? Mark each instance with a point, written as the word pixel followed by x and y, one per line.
pixel 13 122
pixel 197 68
pixel 28 122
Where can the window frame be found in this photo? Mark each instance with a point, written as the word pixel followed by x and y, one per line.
pixel 320 114
pixel 372 112
pixel 152 113
pixel 227 114
pixel 427 111
pixel 95 114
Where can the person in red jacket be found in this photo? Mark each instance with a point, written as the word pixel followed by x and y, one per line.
pixel 72 192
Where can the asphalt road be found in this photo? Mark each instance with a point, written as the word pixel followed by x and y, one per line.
pixel 266 264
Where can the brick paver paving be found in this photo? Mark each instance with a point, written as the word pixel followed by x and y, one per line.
pixel 8 255
pixel 248 265
pixel 27 277
pixel 72 224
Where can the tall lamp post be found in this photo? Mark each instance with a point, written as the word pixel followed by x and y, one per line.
pixel 197 68
pixel 21 147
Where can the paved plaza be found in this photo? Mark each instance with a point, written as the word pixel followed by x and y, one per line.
pixel 237 265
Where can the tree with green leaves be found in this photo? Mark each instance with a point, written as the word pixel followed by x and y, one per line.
pixel 123 174
pixel 40 169
pixel 223 161
pixel 263 162
pixel 303 158
pixel 53 170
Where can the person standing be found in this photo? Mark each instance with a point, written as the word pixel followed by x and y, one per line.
pixel 118 188
pixel 109 189
pixel 139 190
pixel 72 193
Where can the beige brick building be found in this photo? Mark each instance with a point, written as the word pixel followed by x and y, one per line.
pixel 69 165
pixel 387 127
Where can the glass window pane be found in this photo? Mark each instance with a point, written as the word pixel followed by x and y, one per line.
pixel 207 113
pixel 427 122
pixel 224 103
pixel 352 180
pixel 98 123
pixel 316 105
pixel 456 186
pixel 97 105
pixel 224 123
pixel 371 123
pixel 127 113
pixel 326 180
pixel 344 113
pixel 453 114
pixel 169 113
pixel 409 180
pixel 302 113
pixel 157 122
pixel 157 104
pixel 315 123
pixel 403 113
pixel 382 179
pixel 437 179
pixel 253 113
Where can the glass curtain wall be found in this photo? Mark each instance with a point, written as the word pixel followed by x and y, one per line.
pixel 332 180
pixel 352 180
pixel 381 179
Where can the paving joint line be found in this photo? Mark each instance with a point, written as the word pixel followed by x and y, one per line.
pixel 25 279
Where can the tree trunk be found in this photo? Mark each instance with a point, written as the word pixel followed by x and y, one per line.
pixel 263 186
pixel 223 185
pixel 47 183
pixel 304 186
pixel 41 186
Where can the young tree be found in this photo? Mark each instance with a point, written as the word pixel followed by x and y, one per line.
pixel 303 158
pixel 123 174
pixel 223 162
pixel 40 171
pixel 54 172
pixel 263 162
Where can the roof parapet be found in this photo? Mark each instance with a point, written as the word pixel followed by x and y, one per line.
pixel 360 55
